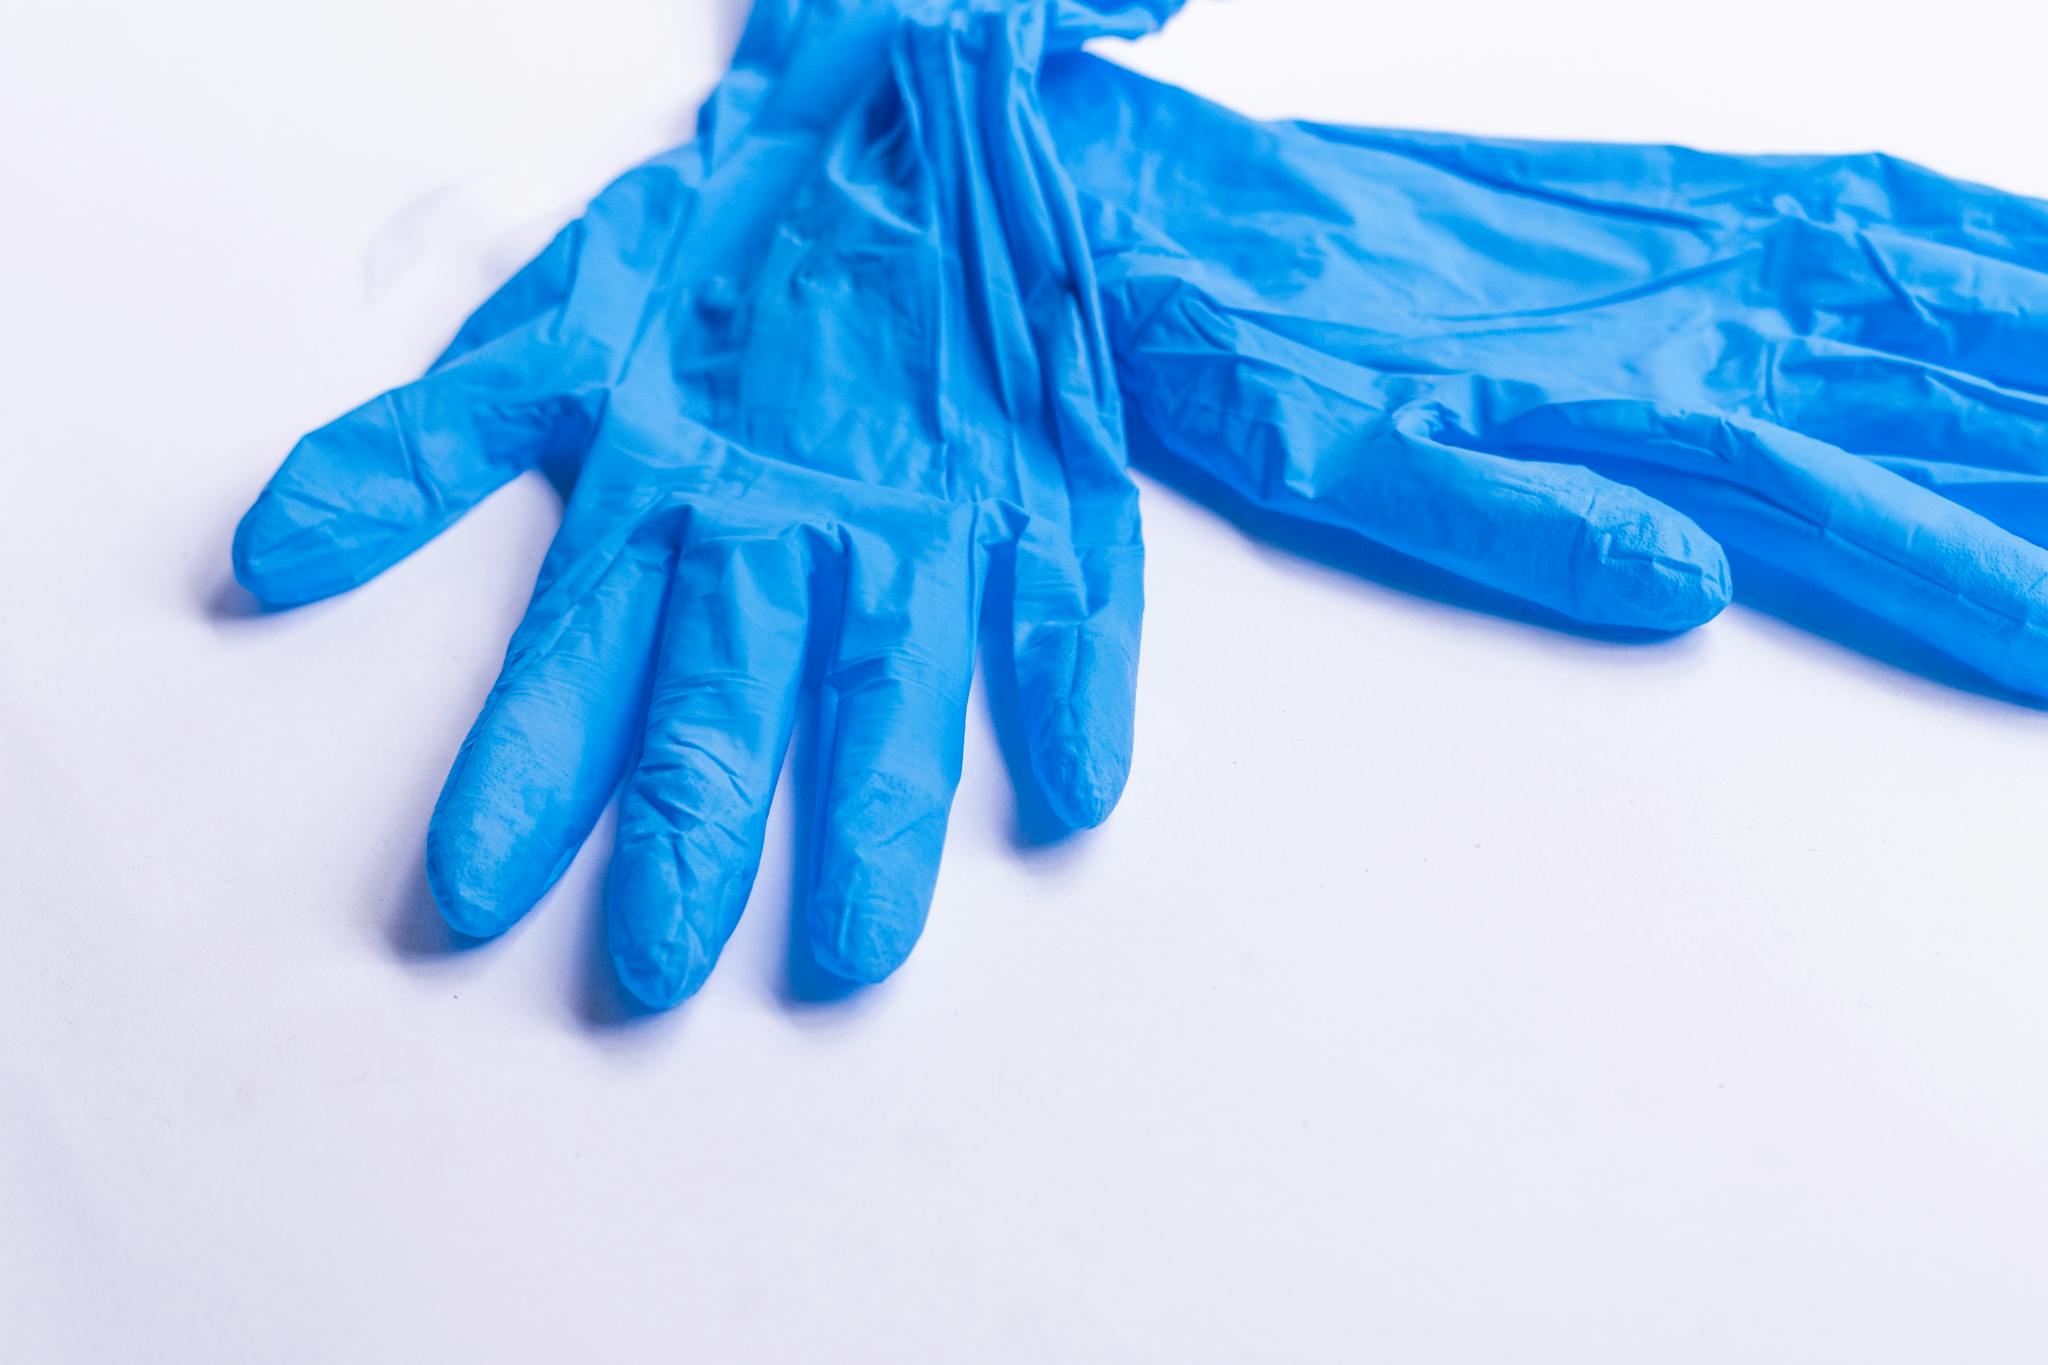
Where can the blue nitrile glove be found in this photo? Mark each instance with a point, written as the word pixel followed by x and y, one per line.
pixel 1547 367
pixel 820 369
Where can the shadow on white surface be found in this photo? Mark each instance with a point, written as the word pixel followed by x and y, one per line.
pixel 1759 587
pixel 416 935
pixel 1818 613
pixel 1357 557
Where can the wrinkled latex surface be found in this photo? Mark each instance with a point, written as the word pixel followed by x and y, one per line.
pixel 820 371
pixel 1573 372
pixel 823 369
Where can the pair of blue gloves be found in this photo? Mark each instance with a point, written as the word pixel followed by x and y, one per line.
pixel 860 363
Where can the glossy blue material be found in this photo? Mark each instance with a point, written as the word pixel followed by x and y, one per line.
pixel 822 371
pixel 869 344
pixel 1567 371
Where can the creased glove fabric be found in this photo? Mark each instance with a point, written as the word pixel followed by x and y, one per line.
pixel 821 372
pixel 855 353
pixel 1573 372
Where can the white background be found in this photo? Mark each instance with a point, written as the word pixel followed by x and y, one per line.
pixel 1445 990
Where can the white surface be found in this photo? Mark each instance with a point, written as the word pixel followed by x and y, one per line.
pixel 1445 990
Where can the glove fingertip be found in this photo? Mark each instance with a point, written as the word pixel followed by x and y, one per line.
pixel 469 909
pixel 662 973
pixel 1652 592
pixel 1081 771
pixel 466 913
pixel 1644 566
pixel 479 880
pixel 277 555
pixel 1078 687
pixel 867 945
pixel 663 944
pixel 871 893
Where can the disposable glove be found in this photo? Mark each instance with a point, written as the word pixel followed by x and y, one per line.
pixel 1556 368
pixel 823 371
